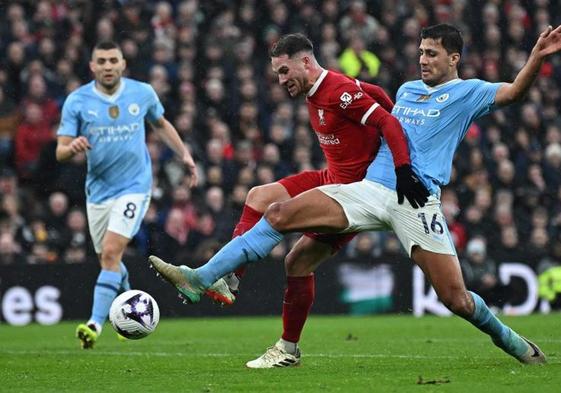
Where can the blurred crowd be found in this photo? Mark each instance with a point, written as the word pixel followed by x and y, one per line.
pixel 208 61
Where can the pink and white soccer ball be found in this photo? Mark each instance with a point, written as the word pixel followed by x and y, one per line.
pixel 134 314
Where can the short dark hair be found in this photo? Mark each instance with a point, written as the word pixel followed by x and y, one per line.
pixel 450 36
pixel 290 44
pixel 106 45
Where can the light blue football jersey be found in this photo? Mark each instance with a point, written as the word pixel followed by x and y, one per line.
pixel 118 162
pixel 435 121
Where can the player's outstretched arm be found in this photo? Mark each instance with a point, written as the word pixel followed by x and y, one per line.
pixel 171 138
pixel 548 43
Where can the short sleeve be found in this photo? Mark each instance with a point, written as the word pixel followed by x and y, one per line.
pixel 155 109
pixel 70 119
pixel 351 102
pixel 482 96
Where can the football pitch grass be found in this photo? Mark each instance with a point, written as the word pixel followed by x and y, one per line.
pixel 339 354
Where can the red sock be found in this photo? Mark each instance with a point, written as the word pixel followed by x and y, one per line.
pixel 298 300
pixel 249 218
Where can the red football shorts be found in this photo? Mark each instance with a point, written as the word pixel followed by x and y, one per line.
pixel 304 181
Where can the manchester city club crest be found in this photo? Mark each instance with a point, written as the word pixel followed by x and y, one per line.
pixel 114 111
pixel 134 109
pixel 442 97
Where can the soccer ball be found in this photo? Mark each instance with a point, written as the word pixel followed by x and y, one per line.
pixel 134 314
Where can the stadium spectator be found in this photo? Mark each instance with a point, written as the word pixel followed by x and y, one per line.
pixel 357 20
pixel 56 220
pixel 75 238
pixel 174 236
pixel 358 62
pixel 480 272
pixel 9 120
pixel 31 136
pixel 10 250
pixel 37 94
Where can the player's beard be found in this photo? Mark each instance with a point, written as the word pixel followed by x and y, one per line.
pixel 298 87
pixel 111 84
pixel 430 80
pixel 293 89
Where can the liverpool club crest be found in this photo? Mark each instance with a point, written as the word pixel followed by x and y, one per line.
pixel 114 111
pixel 321 118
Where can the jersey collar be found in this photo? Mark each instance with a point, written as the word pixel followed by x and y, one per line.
pixel 113 97
pixel 438 87
pixel 315 86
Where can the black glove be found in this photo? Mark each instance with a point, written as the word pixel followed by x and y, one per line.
pixel 409 186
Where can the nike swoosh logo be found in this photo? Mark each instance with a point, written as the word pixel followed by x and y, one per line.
pixel 536 352
pixel 534 347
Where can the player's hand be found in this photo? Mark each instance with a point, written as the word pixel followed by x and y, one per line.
pixel 79 145
pixel 549 42
pixel 409 186
pixel 192 168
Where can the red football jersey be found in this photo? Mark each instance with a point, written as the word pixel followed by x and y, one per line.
pixel 339 109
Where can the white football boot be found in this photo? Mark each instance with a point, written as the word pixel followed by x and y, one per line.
pixel 276 356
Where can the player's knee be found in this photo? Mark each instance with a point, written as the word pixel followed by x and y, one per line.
pixel 253 195
pixel 276 215
pixel 458 302
pixel 258 197
pixel 291 264
pixel 297 265
pixel 110 255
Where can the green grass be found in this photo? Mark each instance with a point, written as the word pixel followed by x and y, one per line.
pixel 340 354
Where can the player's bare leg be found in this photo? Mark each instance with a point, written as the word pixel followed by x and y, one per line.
pixel 445 275
pixel 306 256
pixel 311 211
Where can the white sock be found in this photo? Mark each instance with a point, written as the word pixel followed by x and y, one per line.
pixel 287 346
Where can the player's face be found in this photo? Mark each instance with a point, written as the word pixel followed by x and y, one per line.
pixel 292 73
pixel 107 67
pixel 437 65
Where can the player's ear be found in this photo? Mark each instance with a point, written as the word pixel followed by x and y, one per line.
pixel 92 66
pixel 454 59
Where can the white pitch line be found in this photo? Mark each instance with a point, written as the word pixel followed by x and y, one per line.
pixel 217 355
pixel 244 355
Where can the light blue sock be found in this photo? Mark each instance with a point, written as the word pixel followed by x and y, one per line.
pixel 106 289
pixel 503 336
pixel 125 284
pixel 252 246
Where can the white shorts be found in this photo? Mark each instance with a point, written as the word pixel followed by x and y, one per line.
pixel 122 215
pixel 370 206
